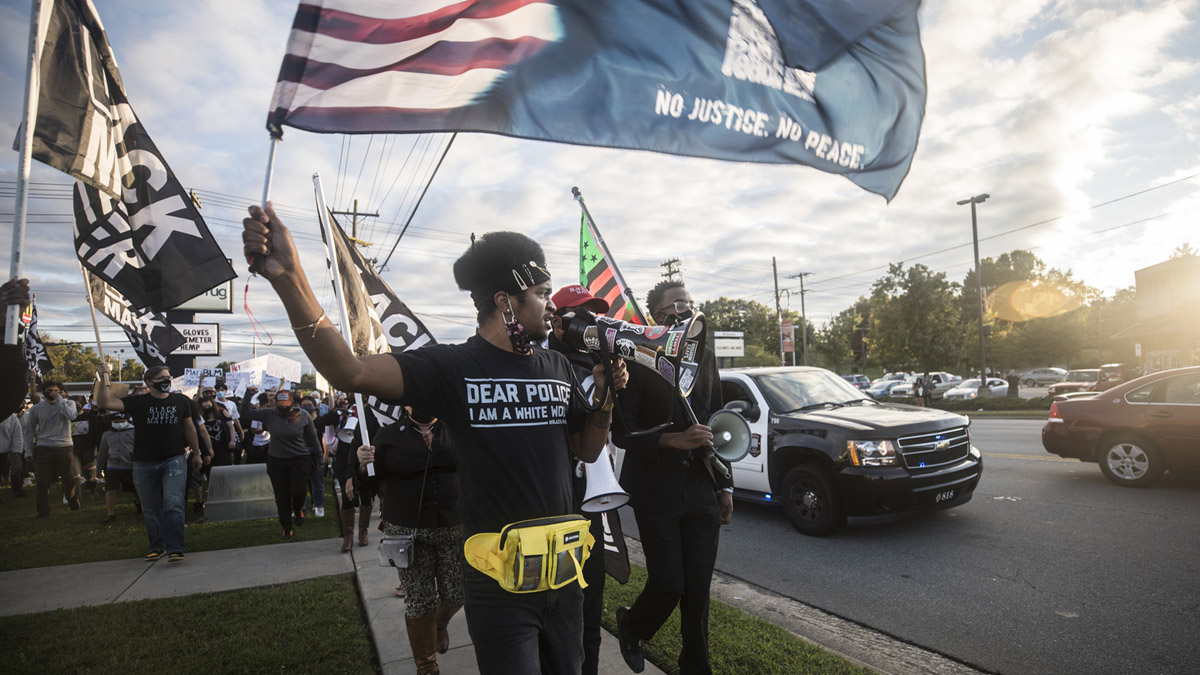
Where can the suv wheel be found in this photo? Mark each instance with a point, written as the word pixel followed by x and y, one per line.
pixel 1130 461
pixel 810 501
pixel 1030 383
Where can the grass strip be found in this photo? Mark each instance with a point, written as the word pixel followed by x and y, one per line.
pixel 738 642
pixel 313 626
pixel 68 537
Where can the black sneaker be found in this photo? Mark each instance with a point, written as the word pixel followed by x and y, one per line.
pixel 154 555
pixel 109 520
pixel 175 557
pixel 74 504
pixel 288 534
pixel 631 647
pixel 299 518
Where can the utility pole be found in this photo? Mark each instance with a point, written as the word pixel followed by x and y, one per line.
pixel 978 199
pixel 354 215
pixel 673 273
pixel 778 313
pixel 803 319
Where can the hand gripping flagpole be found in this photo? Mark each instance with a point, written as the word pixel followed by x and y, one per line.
pixel 38 20
pixel 331 249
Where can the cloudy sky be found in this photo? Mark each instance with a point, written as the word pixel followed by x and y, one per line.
pixel 1081 119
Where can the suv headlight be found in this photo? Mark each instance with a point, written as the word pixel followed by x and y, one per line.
pixel 872 453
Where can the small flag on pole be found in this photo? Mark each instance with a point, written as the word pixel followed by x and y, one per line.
pixel 35 352
pixel 379 321
pixel 599 274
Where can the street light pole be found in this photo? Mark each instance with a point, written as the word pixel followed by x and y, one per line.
pixel 978 199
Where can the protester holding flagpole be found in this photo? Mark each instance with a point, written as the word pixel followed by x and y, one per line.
pixel 510 411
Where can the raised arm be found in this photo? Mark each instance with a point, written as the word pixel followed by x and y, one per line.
pixel 264 234
pixel 103 398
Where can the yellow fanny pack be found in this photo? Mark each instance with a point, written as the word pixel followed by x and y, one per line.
pixel 533 555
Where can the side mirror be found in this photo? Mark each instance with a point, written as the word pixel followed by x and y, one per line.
pixel 745 408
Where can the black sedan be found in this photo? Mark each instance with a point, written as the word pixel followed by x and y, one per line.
pixel 1134 431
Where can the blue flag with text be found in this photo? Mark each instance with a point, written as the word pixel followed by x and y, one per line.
pixel 702 78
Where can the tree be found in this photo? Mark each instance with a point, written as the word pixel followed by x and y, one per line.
pixel 72 361
pixel 756 322
pixel 1184 249
pixel 834 342
pixel 915 319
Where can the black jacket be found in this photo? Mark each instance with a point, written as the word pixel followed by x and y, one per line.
pixel 654 475
pixel 400 459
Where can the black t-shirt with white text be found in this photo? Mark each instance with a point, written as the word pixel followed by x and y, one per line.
pixel 158 424
pixel 509 417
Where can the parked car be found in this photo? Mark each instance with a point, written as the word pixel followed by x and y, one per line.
pixel 969 389
pixel 859 381
pixel 1072 395
pixel 1041 376
pixel 831 452
pixel 884 387
pixel 1113 374
pixel 942 383
pixel 1135 430
pixel 898 377
pixel 1076 380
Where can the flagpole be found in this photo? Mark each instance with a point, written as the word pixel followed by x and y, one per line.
pixel 256 259
pixel 24 163
pixel 87 283
pixel 604 248
pixel 344 315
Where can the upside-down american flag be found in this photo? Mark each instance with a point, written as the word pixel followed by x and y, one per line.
pixel 721 79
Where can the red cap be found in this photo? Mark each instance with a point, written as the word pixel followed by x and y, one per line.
pixel 578 296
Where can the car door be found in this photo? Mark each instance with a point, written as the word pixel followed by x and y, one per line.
pixel 749 473
pixel 1173 420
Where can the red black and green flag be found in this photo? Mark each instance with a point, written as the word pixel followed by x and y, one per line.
pixel 599 274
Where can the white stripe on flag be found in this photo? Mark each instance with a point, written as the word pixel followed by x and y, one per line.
pixel 384 9
pixel 533 21
pixel 410 91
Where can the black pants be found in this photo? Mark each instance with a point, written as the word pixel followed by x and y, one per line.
pixel 593 598
pixel 289 480
pixel 523 633
pixel 51 464
pixel 681 551
pixel 12 469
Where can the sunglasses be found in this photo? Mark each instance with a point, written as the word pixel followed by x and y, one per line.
pixel 677 307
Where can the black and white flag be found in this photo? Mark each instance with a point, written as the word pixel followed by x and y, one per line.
pixel 35 352
pixel 148 331
pixel 379 321
pixel 135 225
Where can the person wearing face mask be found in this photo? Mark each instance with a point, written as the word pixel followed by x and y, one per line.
pixel 163 433
pixel 343 421
pixel 115 462
pixel 291 454
pixel 316 482
pixel 49 443
pixel 678 503
pixel 220 429
pixel 513 418
pixel 222 397
pixel 418 482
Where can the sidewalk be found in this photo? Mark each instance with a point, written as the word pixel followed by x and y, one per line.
pixel 24 592
pixel 101 583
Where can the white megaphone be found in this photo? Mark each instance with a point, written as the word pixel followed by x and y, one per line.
pixel 346 433
pixel 731 435
pixel 604 493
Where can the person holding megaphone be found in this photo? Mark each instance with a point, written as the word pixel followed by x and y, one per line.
pixel 679 501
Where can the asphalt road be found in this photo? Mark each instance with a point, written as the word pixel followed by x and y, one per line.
pixel 1049 569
